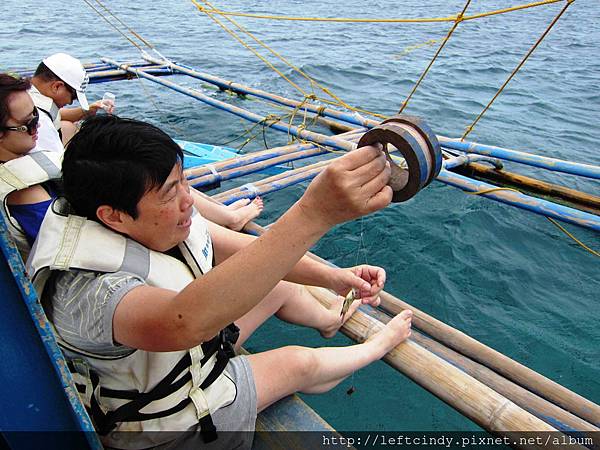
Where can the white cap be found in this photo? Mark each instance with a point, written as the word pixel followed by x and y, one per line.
pixel 71 71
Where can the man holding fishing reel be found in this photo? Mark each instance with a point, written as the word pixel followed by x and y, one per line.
pixel 144 292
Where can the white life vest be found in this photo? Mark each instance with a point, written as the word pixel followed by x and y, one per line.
pixel 142 391
pixel 22 173
pixel 47 106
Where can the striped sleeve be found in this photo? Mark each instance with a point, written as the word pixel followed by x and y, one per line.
pixel 83 305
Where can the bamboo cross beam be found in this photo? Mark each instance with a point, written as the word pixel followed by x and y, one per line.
pixel 352 118
pixel 540 407
pixel 473 399
pixel 252 168
pixel 543 162
pixel 554 164
pixel 262 155
pixel 502 364
pixel 265 187
pixel 533 204
pixel 249 158
pixel 572 197
pixel 322 139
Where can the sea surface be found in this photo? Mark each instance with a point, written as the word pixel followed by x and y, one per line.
pixel 504 276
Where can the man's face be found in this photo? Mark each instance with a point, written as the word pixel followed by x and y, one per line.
pixel 63 94
pixel 164 214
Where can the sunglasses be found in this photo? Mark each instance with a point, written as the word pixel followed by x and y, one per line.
pixel 30 127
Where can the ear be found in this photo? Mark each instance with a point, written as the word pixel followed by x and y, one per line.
pixel 55 86
pixel 113 218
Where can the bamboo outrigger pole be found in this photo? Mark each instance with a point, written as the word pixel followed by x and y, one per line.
pixel 553 164
pixel 533 204
pixel 512 370
pixel 472 398
pixel 465 345
pixel 540 407
pixel 572 197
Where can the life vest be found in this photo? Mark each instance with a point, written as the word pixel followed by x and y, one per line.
pixel 47 106
pixel 22 173
pixel 142 391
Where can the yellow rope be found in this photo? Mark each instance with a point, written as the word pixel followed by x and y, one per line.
pixel 281 58
pixel 313 83
pixel 564 230
pixel 412 48
pixel 379 20
pixel 514 72
pixel 258 55
pixel 458 20
pixel 487 191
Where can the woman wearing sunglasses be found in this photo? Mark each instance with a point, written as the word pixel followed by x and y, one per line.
pixel 25 187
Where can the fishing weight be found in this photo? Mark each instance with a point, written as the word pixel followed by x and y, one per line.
pixel 418 145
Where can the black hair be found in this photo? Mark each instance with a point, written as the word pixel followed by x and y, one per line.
pixel 9 85
pixel 45 73
pixel 114 161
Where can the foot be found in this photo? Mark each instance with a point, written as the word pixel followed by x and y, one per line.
pixel 238 204
pixel 336 321
pixel 246 213
pixel 394 332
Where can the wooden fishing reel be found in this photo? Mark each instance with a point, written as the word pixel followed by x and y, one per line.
pixel 418 145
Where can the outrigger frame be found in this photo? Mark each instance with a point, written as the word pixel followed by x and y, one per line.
pixel 39 388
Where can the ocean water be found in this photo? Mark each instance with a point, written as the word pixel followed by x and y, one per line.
pixel 506 277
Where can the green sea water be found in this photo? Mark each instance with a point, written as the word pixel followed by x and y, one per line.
pixel 506 277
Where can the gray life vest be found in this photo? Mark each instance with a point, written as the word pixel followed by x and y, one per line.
pixel 142 391
pixel 22 173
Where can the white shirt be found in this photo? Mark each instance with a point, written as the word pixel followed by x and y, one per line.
pixel 48 137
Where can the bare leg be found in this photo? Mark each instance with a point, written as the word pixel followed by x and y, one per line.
pixel 238 203
pixel 286 370
pixel 293 303
pixel 232 218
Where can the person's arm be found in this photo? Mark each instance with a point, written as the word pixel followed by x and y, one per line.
pixel 77 113
pixel 28 207
pixel 307 270
pixel 161 320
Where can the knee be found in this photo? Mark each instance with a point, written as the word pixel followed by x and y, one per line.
pixel 303 362
pixel 68 130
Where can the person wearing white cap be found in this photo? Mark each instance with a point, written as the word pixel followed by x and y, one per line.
pixel 57 82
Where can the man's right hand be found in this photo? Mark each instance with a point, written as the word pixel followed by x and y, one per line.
pixel 350 187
